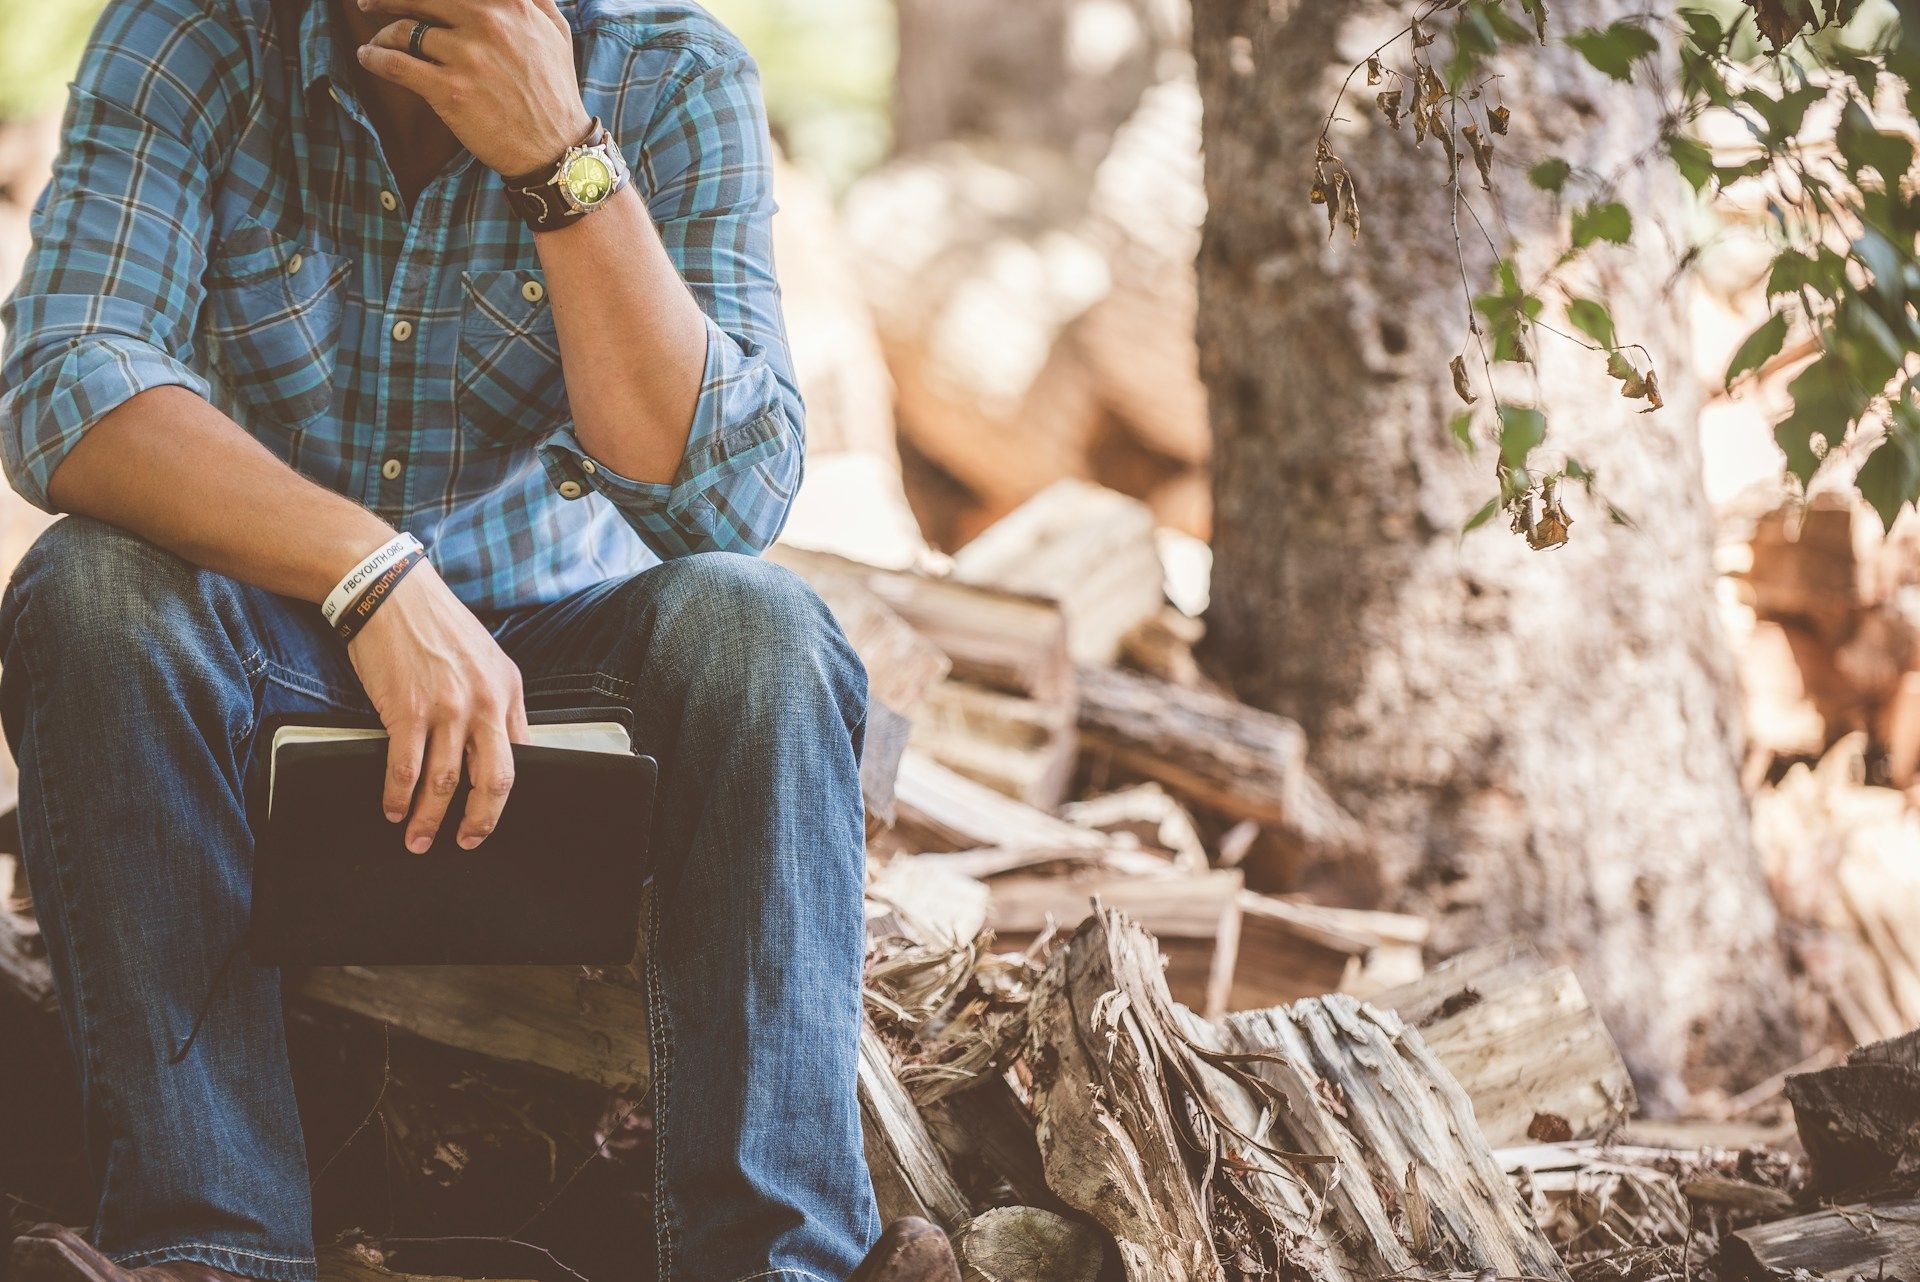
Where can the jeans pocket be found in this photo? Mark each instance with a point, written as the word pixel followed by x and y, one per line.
pixel 509 390
pixel 273 326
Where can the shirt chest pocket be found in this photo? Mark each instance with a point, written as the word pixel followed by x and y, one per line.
pixel 273 326
pixel 509 390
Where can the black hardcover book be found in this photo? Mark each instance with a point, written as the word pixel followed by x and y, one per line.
pixel 558 882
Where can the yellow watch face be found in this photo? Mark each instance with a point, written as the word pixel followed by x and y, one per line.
pixel 588 179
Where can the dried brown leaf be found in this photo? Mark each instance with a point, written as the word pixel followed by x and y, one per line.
pixel 1461 387
pixel 1497 119
pixel 1421 36
pixel 1482 154
pixel 1373 70
pixel 1390 106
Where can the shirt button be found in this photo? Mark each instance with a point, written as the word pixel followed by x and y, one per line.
pixel 389 201
pixel 533 291
pixel 402 331
pixel 392 468
pixel 293 264
pixel 333 93
pixel 588 466
pixel 570 490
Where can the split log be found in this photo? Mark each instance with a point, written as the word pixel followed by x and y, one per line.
pixel 942 810
pixel 1290 950
pixel 837 359
pixel 1807 564
pixel 1587 1195
pixel 1150 815
pixel 1217 754
pixel 1842 1243
pixel 1363 1087
pixel 1860 1121
pixel 1522 1040
pixel 585 1024
pixel 1017 746
pixel 986 1134
pixel 1145 210
pixel 1137 1132
pixel 909 1175
pixel 1002 640
pixel 1027 1244
pixel 1195 921
pixel 1088 548
pixel 974 271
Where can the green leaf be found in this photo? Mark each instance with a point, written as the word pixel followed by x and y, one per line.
pixel 1704 29
pixel 1823 271
pixel 1460 426
pixel 1521 428
pixel 1865 147
pixel 1591 317
pixel 1614 50
pixel 1783 115
pixel 1758 348
pixel 1550 175
pixel 1890 478
pixel 1826 401
pixel 1693 160
pixel 1607 220
pixel 1482 516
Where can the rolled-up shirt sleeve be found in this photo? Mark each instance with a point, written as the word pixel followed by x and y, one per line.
pixel 706 167
pixel 106 303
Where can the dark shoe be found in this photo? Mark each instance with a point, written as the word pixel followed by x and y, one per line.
pixel 51 1253
pixel 910 1250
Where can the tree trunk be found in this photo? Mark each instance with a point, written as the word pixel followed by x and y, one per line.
pixel 1540 744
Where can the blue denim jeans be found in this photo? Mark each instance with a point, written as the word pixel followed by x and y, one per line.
pixel 131 686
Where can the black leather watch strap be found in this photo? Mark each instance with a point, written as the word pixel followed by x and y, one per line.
pixel 545 201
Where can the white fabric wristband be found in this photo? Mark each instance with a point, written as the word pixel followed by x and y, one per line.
pixel 362 574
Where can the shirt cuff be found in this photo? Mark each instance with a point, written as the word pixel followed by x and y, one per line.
pixel 43 418
pixel 739 423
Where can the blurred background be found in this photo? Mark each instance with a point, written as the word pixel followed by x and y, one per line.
pixel 1050 343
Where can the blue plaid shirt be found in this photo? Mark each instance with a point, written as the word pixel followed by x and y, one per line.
pixel 222 218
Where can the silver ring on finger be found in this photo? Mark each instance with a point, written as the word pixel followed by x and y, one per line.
pixel 420 30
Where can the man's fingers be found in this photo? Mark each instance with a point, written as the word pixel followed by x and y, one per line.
pixel 403 69
pixel 399 36
pixel 438 779
pixel 404 748
pixel 490 767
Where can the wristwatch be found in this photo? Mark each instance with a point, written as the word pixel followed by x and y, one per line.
pixel 581 181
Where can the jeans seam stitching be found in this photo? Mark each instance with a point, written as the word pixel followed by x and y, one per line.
pixel 214 1246
pixel 83 1025
pixel 780 1273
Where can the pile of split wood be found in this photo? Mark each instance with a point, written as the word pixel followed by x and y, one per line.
pixel 1824 612
pixel 1091 1046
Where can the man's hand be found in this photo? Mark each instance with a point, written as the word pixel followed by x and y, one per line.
pixel 498 72
pixel 445 692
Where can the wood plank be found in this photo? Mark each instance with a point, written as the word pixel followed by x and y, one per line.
pixel 1017 746
pixel 1522 1040
pixel 1002 640
pixel 910 1176
pixel 565 1018
pixel 1085 546
pixel 1214 753
pixel 1842 1243
pixel 1196 921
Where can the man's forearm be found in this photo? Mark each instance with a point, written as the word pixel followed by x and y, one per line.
pixel 633 342
pixel 171 468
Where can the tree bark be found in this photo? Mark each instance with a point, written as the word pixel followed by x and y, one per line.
pixel 1544 745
